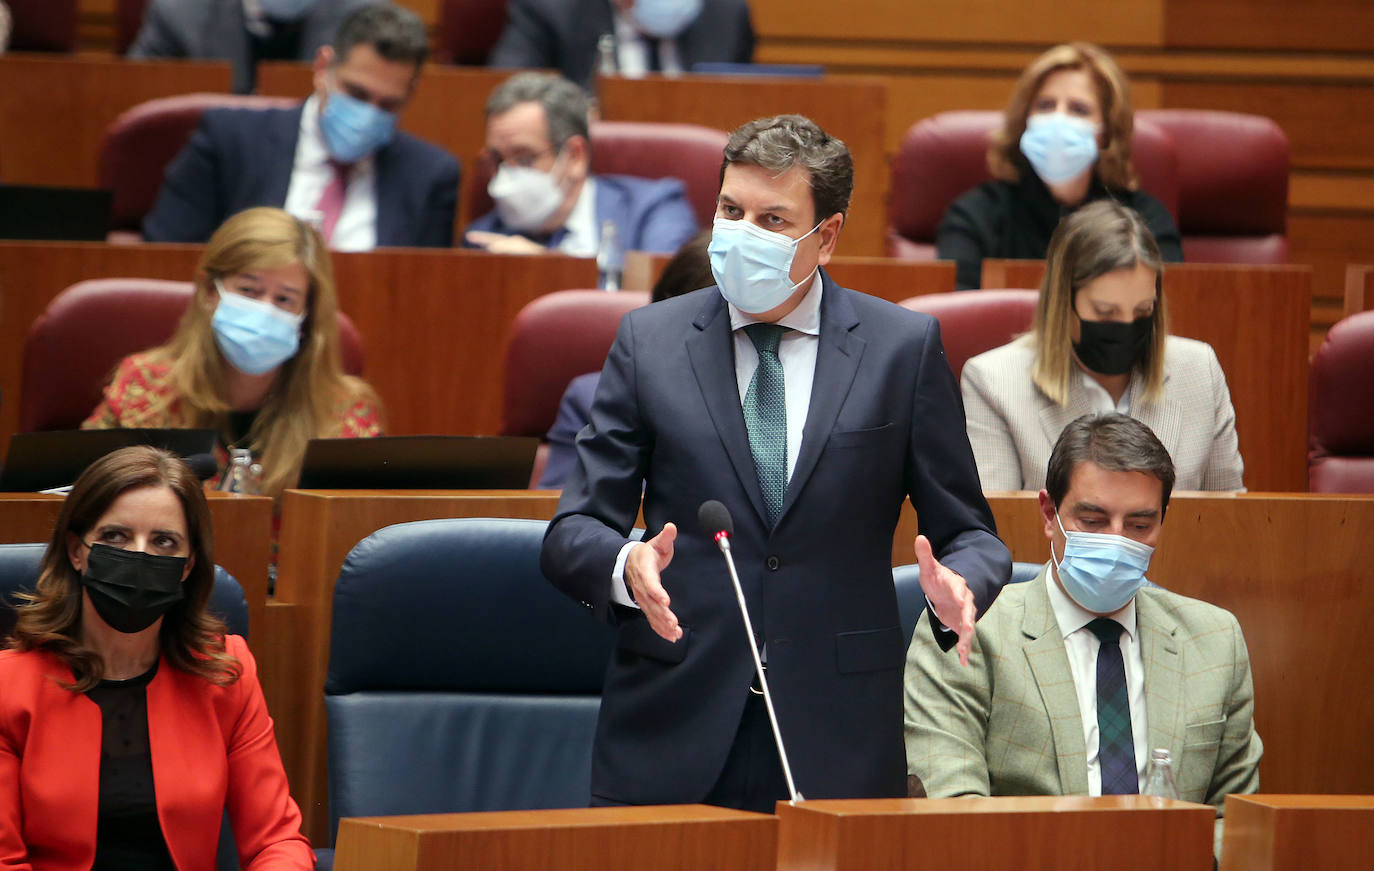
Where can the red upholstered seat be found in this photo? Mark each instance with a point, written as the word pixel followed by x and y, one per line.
pixel 1233 185
pixel 43 25
pixel 649 150
pixel 468 30
pixel 1341 403
pixel 974 321
pixel 554 339
pixel 128 21
pixel 140 143
pixel 73 347
pixel 945 155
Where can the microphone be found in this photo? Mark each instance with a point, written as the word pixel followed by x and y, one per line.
pixel 203 465
pixel 715 519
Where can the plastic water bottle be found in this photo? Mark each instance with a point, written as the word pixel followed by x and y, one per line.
pixel 242 475
pixel 609 260
pixel 1159 775
pixel 606 64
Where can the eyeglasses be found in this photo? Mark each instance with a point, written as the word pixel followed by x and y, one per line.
pixel 524 159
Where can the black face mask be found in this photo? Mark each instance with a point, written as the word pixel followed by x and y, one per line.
pixel 1112 348
pixel 129 589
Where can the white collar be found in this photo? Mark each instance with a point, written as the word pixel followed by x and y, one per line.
pixel 805 318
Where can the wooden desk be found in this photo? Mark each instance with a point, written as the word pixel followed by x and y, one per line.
pixel 668 838
pixel 54 109
pixel 243 541
pixel 893 280
pixel 1297 832
pixel 852 108
pixel 433 321
pixel 1359 289
pixel 1295 570
pixel 1070 833
pixel 318 530
pixel 1256 319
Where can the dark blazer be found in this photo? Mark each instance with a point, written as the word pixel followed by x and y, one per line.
pixel 562 35
pixel 574 410
pixel 885 423
pixel 239 158
pixel 216 29
pixel 650 214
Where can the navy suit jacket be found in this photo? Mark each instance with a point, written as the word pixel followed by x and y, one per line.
pixel 885 422
pixel 240 158
pixel 562 35
pixel 574 410
pixel 650 214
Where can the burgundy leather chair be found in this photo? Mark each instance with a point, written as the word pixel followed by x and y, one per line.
pixel 1233 184
pixel 554 339
pixel 73 347
pixel 128 21
pixel 974 321
pixel 649 150
pixel 468 30
pixel 140 143
pixel 1341 416
pixel 43 25
pixel 945 155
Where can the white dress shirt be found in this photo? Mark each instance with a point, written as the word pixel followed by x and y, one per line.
pixel 1082 645
pixel 311 173
pixel 583 236
pixel 1102 400
pixel 632 50
pixel 797 353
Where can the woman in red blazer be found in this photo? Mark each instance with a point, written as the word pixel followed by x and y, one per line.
pixel 128 721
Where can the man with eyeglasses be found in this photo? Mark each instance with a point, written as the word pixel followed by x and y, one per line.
pixel 337 160
pixel 545 195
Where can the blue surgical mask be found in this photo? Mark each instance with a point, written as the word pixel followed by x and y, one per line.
pixel 285 10
pixel 254 336
pixel 1100 571
pixel 1058 146
pixel 665 19
pixel 753 266
pixel 352 128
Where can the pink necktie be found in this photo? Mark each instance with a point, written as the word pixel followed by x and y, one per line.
pixel 331 201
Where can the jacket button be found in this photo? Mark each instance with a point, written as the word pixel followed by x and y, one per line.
pixel 772 563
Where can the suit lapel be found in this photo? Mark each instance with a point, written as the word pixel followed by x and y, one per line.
pixel 1054 418
pixel 1049 663
pixel 1163 662
pixel 837 361
pixel 712 352
pixel 1163 417
pixel 283 129
pixel 392 215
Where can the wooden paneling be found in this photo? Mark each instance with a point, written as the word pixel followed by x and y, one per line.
pixel 666 838
pixel 1297 832
pixel 1323 25
pixel 1070 833
pixel 54 111
pixel 849 107
pixel 1329 241
pixel 1359 289
pixel 433 321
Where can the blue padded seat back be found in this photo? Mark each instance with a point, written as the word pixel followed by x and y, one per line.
pixel 19 571
pixel 911 600
pixel 460 604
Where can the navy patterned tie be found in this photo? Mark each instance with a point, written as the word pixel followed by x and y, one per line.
pixel 1115 744
pixel 765 416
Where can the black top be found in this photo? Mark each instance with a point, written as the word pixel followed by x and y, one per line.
pixel 128 836
pixel 239 424
pixel 1014 220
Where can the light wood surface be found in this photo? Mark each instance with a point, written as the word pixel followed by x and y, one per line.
pixel 1255 318
pixel 668 838
pixel 1359 289
pixel 1295 570
pixel 54 111
pixel 849 107
pixel 242 527
pixel 1072 833
pixel 1297 832
pixel 433 322
pixel 893 280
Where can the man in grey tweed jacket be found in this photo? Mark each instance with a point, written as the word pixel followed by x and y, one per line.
pixel 1022 718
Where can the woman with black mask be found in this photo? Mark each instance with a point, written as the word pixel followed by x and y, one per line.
pixel 129 722
pixel 1099 343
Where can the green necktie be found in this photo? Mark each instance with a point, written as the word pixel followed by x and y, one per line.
pixel 1115 744
pixel 765 416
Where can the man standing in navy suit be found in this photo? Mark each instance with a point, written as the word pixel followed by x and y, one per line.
pixel 811 411
pixel 538 135
pixel 337 160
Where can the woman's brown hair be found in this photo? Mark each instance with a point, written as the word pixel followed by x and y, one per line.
pixel 1005 160
pixel 191 638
